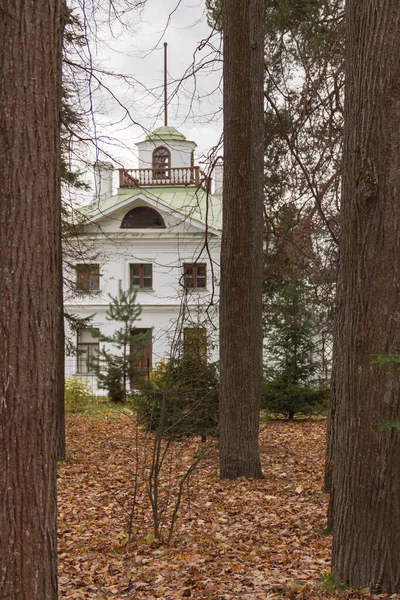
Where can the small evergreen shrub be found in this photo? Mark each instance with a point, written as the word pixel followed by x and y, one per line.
pixel 291 383
pixel 116 371
pixel 112 381
pixel 77 394
pixel 181 398
pixel 282 397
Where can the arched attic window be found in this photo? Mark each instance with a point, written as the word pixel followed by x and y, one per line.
pixel 142 217
pixel 161 163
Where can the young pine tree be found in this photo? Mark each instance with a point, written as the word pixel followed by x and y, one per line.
pixel 116 370
pixel 291 374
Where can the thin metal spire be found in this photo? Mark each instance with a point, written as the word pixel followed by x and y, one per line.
pixel 165 86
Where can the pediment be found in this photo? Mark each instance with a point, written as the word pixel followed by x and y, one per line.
pixel 111 219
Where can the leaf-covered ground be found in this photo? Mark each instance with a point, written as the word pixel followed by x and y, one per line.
pixel 233 540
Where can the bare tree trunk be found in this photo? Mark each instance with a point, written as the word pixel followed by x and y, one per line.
pixel 60 419
pixel 31 343
pixel 242 239
pixel 366 473
pixel 335 379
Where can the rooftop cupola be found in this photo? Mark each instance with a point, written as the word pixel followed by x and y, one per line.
pixel 166 147
pixel 166 157
pixel 166 133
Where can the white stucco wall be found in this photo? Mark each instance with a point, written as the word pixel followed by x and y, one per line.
pixel 164 305
pixel 181 153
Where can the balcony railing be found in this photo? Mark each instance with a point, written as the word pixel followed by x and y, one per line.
pixel 129 178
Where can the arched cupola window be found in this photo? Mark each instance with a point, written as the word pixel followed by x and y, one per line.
pixel 161 163
pixel 142 217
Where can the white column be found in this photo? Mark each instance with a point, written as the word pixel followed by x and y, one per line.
pixel 218 177
pixel 103 179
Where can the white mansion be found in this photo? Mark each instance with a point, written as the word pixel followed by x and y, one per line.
pixel 160 233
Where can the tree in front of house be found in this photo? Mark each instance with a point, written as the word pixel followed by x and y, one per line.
pixel 364 456
pixel 31 324
pixel 242 240
pixel 291 382
pixel 304 76
pixel 292 262
pixel 120 369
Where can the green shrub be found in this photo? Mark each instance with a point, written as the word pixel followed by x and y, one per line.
pixel 280 396
pixel 112 381
pixel 77 394
pixel 115 370
pixel 181 398
pixel 292 344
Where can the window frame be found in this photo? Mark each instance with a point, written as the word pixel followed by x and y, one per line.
pixel 190 271
pixel 164 171
pixel 84 272
pixel 81 358
pixel 141 277
pixel 147 208
pixel 145 363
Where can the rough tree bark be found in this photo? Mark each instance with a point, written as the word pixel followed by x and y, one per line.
pixel 31 343
pixel 366 473
pixel 242 239
pixel 335 378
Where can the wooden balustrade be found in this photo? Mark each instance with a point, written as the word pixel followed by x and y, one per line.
pixel 129 178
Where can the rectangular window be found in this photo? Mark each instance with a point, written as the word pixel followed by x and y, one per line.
pixel 195 276
pixel 87 278
pixel 195 343
pixel 143 362
pixel 88 349
pixel 141 277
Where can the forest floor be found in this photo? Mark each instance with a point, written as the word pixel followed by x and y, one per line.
pixel 247 539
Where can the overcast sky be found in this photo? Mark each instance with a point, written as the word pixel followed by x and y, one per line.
pixel 136 51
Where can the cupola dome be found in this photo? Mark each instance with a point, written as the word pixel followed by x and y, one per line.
pixel 164 149
pixel 165 133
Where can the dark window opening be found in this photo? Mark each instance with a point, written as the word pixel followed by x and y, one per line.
pixel 141 277
pixel 142 217
pixel 195 276
pixel 87 278
pixel 88 350
pixel 161 163
pixel 143 362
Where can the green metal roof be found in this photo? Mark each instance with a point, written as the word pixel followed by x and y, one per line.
pixel 190 202
pixel 165 133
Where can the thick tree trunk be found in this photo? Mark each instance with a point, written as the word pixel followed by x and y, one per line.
pixel 242 239
pixel 31 343
pixel 366 473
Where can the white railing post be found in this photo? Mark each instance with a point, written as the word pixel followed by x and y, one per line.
pixel 171 176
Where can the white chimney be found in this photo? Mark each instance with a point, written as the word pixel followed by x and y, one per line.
pixel 103 179
pixel 218 177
